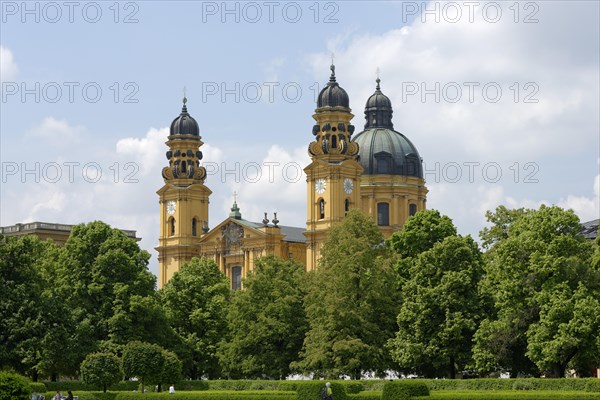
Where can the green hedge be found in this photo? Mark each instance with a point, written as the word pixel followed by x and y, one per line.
pixel 63 386
pixel 593 385
pixel 209 395
pixel 404 389
pixel 509 395
pixel 311 390
pixel 86 395
pixel 14 386
pixel 367 395
pixel 38 387
pixel 242 384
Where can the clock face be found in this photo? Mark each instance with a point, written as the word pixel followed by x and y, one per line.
pixel 171 207
pixel 320 186
pixel 348 185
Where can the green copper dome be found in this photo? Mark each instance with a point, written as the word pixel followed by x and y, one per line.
pixel 382 150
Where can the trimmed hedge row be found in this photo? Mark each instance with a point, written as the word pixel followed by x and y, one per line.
pixel 80 386
pixel 578 384
pixel 404 389
pixel 210 395
pixel 509 395
pixel 87 395
pixel 311 390
pixel 367 395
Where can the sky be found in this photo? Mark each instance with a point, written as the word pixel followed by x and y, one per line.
pixel 501 100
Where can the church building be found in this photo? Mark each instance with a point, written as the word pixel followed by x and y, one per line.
pixel 377 170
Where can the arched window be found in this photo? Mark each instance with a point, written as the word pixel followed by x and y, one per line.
pixel 321 209
pixel 184 167
pixel 194 224
pixel 412 209
pixel 346 206
pixel 383 214
pixel 172 226
pixel 334 141
pixel 236 278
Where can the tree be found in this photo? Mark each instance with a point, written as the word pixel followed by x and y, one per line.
pixel 172 367
pixel 351 303
pixel 534 258
pixel 102 369
pixel 421 232
pixel 33 318
pixel 441 308
pixel 195 301
pixel 266 321
pixel 138 318
pixel 568 327
pixel 98 266
pixel 144 361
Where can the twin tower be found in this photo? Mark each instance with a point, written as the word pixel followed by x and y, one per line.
pixel 378 171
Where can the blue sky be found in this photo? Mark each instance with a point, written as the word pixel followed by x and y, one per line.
pixel 509 88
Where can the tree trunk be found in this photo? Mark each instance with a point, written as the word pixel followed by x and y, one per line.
pixel 104 388
pixel 54 377
pixel 452 368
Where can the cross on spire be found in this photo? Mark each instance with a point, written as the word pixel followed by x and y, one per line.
pixel 235 196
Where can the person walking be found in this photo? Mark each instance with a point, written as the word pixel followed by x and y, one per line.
pixel 327 392
pixel 57 396
pixel 172 389
pixel 69 395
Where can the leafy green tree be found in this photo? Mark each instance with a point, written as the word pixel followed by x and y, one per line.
pixel 441 308
pixel 351 303
pixel 33 318
pixel 102 369
pixel 171 373
pixel 144 361
pixel 138 318
pixel 568 326
pixel 195 301
pixel 421 232
pixel 266 321
pixel 100 265
pixel 534 258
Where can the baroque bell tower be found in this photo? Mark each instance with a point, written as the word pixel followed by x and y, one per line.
pixel 333 176
pixel 183 199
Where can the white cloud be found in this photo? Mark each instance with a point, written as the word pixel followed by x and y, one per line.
pixel 587 208
pixel 498 55
pixel 148 152
pixel 8 66
pixel 57 131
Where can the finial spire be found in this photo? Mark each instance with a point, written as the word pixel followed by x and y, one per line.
pixel 184 108
pixel 377 80
pixel 332 77
pixel 235 210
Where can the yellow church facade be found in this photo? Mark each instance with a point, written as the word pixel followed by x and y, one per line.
pixel 377 170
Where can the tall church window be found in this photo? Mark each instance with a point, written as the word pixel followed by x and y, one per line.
pixel 321 209
pixel 334 141
pixel 346 206
pixel 172 227
pixel 184 167
pixel 383 214
pixel 194 226
pixel 412 209
pixel 236 278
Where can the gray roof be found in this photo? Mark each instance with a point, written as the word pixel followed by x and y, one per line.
pixel 385 151
pixel 292 233
pixel 589 229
